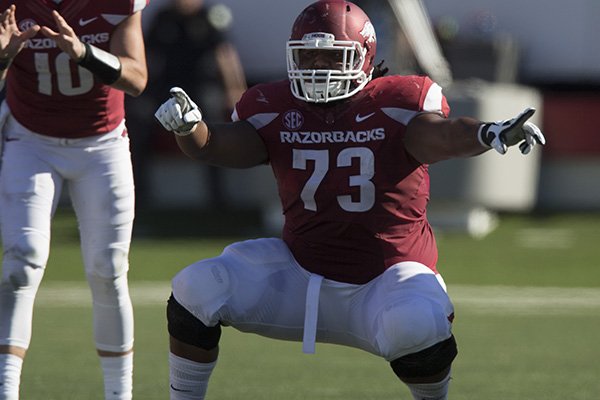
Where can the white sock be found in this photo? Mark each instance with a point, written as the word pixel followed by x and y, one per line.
pixel 118 377
pixel 430 391
pixel 188 379
pixel 10 376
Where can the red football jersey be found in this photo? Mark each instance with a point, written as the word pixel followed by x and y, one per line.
pixel 354 200
pixel 46 91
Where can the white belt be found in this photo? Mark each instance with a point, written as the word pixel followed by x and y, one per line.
pixel 311 313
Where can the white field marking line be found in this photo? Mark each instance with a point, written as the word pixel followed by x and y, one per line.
pixel 525 300
pixel 543 238
pixel 468 298
pixel 72 294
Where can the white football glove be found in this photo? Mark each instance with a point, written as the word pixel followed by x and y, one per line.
pixel 502 134
pixel 179 114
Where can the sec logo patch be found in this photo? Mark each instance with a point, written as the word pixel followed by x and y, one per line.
pixel 26 24
pixel 293 120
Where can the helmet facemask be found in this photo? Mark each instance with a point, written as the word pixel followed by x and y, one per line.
pixel 324 85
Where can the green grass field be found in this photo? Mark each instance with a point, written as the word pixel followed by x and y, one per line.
pixel 527 300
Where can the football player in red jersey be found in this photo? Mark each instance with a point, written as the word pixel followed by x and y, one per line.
pixel 66 66
pixel 356 264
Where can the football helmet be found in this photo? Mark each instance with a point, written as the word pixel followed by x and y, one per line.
pixel 341 28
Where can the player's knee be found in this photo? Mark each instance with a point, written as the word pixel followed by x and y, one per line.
pixel 31 249
pixel 185 327
pixel 413 324
pixel 428 362
pixel 22 276
pixel 108 291
pixel 107 275
pixel 24 262
pixel 205 285
pixel 109 263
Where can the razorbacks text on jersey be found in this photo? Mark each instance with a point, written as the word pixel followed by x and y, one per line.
pixel 354 200
pixel 62 87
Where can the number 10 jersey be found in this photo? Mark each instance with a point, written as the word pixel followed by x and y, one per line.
pixel 65 100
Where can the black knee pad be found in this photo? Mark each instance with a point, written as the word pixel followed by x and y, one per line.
pixel 428 362
pixel 183 326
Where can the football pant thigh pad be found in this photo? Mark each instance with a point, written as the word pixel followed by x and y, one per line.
pixel 183 326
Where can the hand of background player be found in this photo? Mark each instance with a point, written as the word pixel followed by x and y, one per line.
pixel 12 40
pixel 179 114
pixel 503 134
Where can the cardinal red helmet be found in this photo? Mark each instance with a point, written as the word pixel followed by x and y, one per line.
pixel 345 32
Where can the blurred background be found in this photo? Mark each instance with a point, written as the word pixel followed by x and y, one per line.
pixel 492 58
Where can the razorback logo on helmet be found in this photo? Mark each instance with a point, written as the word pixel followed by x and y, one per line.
pixel 368 32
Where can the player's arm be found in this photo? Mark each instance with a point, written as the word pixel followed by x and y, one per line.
pixel 234 145
pixel 127 43
pixel 431 138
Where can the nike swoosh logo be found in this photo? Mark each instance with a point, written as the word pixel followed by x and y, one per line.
pixel 84 22
pixel 180 390
pixel 361 118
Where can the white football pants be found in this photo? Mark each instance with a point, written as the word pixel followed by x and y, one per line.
pixel 257 286
pixel 100 182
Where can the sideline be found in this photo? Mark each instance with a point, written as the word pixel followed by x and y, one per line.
pixel 470 298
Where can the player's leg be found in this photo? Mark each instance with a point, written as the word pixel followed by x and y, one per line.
pixel 28 196
pixel 193 352
pixel 404 316
pixel 253 286
pixel 413 330
pixel 103 199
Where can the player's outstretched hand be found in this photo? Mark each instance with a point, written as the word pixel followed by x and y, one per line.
pixel 502 134
pixel 65 37
pixel 179 114
pixel 12 40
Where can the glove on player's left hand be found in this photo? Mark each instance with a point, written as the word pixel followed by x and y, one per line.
pixel 179 114
pixel 503 134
